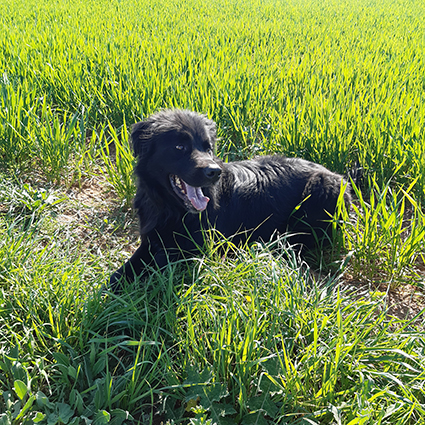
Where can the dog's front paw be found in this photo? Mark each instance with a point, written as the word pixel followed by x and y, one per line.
pixel 116 282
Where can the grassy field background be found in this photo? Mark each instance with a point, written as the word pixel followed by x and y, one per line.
pixel 261 337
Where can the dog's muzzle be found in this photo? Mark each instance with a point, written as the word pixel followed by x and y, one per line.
pixel 213 172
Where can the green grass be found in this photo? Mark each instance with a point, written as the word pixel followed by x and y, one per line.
pixel 335 82
pixel 253 337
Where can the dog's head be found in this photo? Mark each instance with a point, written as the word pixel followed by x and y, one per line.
pixel 175 154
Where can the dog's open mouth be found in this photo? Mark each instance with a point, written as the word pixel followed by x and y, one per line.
pixel 192 196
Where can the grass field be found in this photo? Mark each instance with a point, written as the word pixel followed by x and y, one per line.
pixel 257 338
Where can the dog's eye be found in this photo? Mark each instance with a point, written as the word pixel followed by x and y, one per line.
pixel 209 151
pixel 180 147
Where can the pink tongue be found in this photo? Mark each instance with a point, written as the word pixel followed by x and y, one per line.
pixel 195 195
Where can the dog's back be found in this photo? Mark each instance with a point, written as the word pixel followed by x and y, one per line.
pixel 274 193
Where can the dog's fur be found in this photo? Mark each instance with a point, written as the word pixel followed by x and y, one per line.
pixel 248 199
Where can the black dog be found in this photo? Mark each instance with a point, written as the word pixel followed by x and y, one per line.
pixel 183 188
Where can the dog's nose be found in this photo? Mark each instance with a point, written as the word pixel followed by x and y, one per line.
pixel 212 172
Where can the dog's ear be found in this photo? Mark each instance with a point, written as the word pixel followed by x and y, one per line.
pixel 140 136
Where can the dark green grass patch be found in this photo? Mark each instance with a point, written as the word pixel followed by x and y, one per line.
pixel 253 339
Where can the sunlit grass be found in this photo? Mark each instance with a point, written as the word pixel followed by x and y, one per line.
pixel 387 236
pixel 334 83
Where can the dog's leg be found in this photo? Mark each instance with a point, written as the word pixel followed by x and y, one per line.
pixel 132 269
pixel 146 255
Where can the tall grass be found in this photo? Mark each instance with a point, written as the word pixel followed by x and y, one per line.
pixel 335 82
pixel 255 339
pixel 387 236
pixel 119 172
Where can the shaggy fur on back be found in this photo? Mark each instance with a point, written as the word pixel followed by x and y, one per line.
pixel 183 188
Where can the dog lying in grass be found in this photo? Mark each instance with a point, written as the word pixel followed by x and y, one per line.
pixel 183 188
